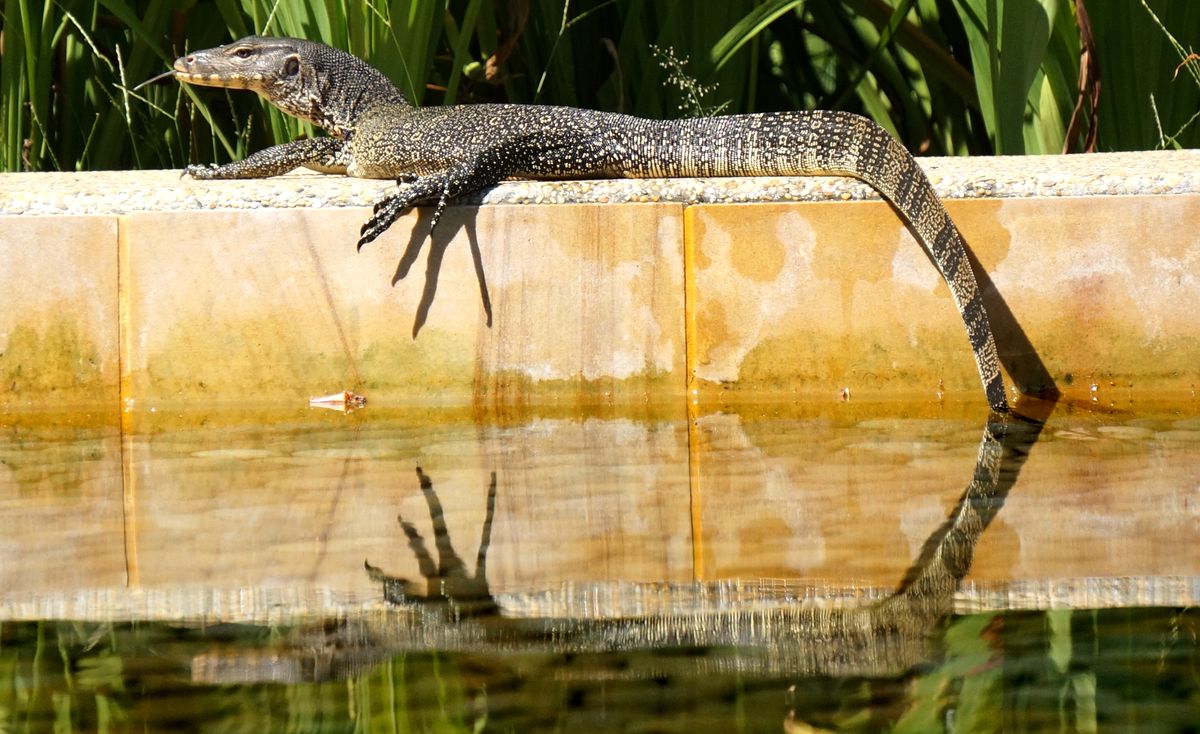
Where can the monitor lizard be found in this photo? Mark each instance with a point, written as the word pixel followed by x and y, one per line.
pixel 445 153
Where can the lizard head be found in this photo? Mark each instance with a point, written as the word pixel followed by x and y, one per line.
pixel 273 67
pixel 258 64
pixel 288 72
pixel 305 79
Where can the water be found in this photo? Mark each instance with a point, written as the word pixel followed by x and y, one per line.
pixel 834 567
pixel 1127 670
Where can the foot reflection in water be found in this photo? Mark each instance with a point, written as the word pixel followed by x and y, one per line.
pixel 446 582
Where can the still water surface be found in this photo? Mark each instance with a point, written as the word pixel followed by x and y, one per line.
pixel 800 569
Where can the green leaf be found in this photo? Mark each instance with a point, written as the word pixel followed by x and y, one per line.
pixel 748 28
pixel 1008 41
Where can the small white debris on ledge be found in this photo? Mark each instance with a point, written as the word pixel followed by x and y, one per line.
pixel 124 192
pixel 345 401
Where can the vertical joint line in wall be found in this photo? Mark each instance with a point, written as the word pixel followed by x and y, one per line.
pixel 124 414
pixel 691 395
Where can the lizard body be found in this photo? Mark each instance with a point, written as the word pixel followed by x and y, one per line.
pixel 444 153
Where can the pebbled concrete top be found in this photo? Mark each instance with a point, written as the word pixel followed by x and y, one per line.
pixel 122 192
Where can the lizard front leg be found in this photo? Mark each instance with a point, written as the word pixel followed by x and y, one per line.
pixel 424 190
pixel 443 187
pixel 328 155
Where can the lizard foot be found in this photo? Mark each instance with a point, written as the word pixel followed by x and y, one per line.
pixel 386 212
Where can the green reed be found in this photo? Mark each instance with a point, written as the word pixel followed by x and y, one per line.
pixel 946 76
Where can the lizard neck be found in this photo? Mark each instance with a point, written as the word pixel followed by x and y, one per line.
pixel 336 90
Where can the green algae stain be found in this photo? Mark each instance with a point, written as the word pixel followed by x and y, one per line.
pixel 270 359
pixel 56 364
pixel 436 363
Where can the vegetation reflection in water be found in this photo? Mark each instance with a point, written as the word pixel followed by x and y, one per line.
pixel 1081 670
pixel 443 656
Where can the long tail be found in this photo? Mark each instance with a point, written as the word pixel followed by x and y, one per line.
pixel 826 143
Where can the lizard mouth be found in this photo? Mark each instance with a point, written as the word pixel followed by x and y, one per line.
pixel 192 70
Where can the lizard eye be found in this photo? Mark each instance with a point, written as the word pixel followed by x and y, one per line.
pixel 243 53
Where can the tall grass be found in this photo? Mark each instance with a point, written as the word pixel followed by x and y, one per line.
pixel 946 76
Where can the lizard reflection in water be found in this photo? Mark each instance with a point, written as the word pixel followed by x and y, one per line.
pixel 443 154
pixel 741 625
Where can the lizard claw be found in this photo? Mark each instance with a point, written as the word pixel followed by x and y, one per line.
pixel 365 238
pixel 439 209
pixel 385 213
pixel 368 232
pixel 388 209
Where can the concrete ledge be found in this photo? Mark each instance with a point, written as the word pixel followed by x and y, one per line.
pixel 1007 177
pixel 150 288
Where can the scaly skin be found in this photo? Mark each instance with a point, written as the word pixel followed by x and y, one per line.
pixel 445 153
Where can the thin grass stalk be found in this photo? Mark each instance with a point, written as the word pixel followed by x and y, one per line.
pixel 558 37
pixel 30 92
pixel 885 38
pixel 749 27
pixel 461 45
pixel 1189 64
pixel 993 79
pixel 12 79
pixel 146 33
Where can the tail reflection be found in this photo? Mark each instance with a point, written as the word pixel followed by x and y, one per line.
pixel 927 591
